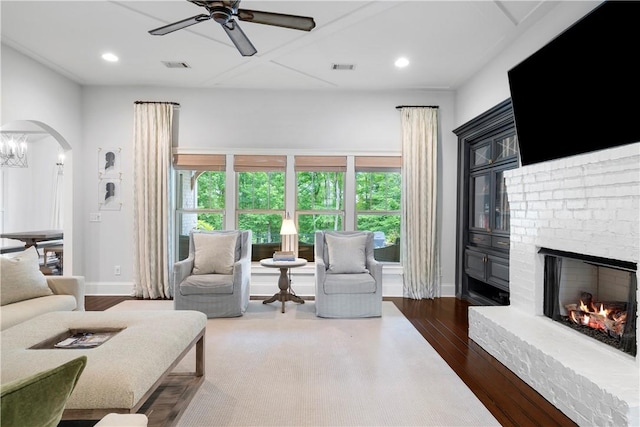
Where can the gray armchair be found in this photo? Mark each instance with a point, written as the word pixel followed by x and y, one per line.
pixel 215 277
pixel 348 278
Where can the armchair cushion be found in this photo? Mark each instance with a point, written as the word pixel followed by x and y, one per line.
pixel 347 254
pixel 214 253
pixel 21 278
pixel 39 400
pixel 207 284
pixel 362 283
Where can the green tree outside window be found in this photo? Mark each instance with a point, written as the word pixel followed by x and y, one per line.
pixel 378 210
pixel 320 203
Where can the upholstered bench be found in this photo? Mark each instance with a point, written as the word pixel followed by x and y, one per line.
pixel 121 373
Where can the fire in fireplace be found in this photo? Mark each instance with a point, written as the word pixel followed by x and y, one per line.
pixel 608 317
pixel 595 296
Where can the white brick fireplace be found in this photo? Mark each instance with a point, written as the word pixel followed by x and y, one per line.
pixel 588 204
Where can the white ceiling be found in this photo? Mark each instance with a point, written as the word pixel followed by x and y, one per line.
pixel 446 42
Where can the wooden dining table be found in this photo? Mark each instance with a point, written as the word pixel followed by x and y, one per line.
pixel 32 238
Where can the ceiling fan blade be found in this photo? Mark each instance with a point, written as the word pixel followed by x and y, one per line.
pixel 295 22
pixel 161 31
pixel 239 39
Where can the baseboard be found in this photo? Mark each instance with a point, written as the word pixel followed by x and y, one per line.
pixel 258 288
pixel 264 282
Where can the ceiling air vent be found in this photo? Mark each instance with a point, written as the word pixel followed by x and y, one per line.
pixel 176 64
pixel 347 67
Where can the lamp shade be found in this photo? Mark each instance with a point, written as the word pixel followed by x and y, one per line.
pixel 288 227
pixel 289 236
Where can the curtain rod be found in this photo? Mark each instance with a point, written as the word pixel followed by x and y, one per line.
pixel 417 106
pixel 157 102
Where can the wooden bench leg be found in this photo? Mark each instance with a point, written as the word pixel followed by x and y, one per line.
pixel 200 357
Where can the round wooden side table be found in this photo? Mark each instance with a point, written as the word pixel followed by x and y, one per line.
pixel 284 283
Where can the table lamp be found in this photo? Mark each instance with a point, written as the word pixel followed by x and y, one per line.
pixel 289 236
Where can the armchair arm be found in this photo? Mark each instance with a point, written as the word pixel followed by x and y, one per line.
pixel 375 269
pixel 321 272
pixel 241 270
pixel 68 285
pixel 181 270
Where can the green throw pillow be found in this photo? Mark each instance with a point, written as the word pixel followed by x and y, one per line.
pixel 39 400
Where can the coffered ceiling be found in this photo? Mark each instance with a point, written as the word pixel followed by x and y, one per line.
pixel 446 42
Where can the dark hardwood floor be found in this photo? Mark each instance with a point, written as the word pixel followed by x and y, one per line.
pixel 443 323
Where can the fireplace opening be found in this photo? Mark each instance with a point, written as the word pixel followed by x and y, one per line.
pixel 593 295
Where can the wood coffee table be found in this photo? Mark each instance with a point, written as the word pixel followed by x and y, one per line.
pixel 284 283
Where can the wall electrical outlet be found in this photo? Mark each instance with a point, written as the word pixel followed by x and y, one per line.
pixel 116 270
pixel 95 217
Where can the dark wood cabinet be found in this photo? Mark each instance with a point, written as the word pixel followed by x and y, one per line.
pixel 487 147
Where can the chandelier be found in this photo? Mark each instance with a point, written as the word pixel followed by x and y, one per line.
pixel 13 150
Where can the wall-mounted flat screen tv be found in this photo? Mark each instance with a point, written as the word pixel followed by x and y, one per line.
pixel 581 91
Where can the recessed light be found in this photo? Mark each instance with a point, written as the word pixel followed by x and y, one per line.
pixel 402 62
pixel 110 57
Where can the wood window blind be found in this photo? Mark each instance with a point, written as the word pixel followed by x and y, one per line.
pixel 321 163
pixel 378 163
pixel 200 162
pixel 250 163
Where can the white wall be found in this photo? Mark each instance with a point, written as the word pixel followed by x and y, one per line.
pixel 490 86
pixel 35 212
pixel 31 91
pixel 228 121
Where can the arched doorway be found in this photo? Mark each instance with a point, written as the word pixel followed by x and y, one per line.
pixel 38 196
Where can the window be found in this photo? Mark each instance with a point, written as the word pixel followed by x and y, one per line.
pixel 205 198
pixel 378 192
pixel 200 200
pixel 260 201
pixel 320 198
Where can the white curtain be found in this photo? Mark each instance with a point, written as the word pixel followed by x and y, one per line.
pixel 419 245
pixel 153 130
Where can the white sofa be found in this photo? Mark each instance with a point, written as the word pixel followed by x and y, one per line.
pixel 26 293
pixel 68 295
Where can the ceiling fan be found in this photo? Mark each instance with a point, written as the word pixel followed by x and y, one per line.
pixel 223 12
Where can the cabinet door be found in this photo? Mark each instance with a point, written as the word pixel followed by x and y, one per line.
pixel 498 272
pixel 505 147
pixel 480 201
pixel 474 264
pixel 501 213
pixel 480 154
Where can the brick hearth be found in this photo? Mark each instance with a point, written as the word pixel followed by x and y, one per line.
pixel 587 204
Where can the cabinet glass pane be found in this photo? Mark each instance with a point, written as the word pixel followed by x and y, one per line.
pixel 502 216
pixel 506 147
pixel 480 201
pixel 481 155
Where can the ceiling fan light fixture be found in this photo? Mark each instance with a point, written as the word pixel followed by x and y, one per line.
pixel 221 15
pixel 223 11
pixel 402 62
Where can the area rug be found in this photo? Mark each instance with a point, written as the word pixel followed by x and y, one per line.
pixel 267 368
